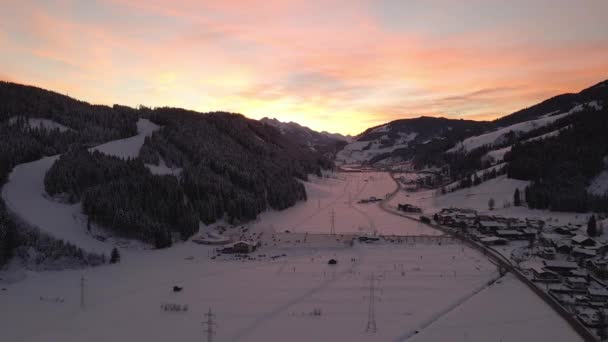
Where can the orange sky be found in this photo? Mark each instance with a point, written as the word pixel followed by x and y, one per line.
pixel 340 66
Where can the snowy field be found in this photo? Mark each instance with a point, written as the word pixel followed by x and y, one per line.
pixel 340 195
pixel 494 315
pixel 260 300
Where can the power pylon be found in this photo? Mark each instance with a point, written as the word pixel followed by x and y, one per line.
pixel 371 312
pixel 209 324
pixel 332 218
pixel 82 292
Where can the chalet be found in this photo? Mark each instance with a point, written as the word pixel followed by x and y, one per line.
pixel 598 267
pixel 535 223
pixel 549 239
pixel 493 241
pixel 547 253
pixel 563 247
pixel 580 252
pixel 545 276
pixel 528 233
pixel 577 283
pixel 509 234
pixel 597 294
pixel 491 226
pixel 516 224
pixel 560 267
pixel 582 240
pixel 240 247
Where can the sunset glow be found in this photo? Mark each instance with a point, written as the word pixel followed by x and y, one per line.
pixel 340 66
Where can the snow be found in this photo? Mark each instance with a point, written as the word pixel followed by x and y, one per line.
pixel 129 147
pixel 25 196
pixel 497 155
pixel 40 123
pixel 359 152
pixel 497 314
pixel 497 136
pixel 254 300
pixel 599 184
pixel 162 169
pixel 332 194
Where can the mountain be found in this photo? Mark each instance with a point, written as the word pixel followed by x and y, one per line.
pixel 230 167
pixel 405 139
pixel 426 141
pixel 323 142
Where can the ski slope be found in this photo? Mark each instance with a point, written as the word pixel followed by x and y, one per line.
pixel 25 196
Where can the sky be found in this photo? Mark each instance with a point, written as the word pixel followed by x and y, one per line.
pixel 340 66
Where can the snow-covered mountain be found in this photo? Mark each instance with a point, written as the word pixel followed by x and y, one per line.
pixel 425 139
pixel 324 142
pixel 400 140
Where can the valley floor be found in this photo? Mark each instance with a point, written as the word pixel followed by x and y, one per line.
pixel 428 288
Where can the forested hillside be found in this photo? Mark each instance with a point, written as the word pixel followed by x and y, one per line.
pixel 88 125
pixel 232 166
pixel 562 166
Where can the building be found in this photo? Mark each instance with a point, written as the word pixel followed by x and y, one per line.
pixel 493 241
pixel 487 226
pixel 584 253
pixel 540 274
pixel 509 234
pixel 239 247
pixel 560 267
pixel 582 240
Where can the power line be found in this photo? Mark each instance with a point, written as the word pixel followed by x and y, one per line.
pixel 209 324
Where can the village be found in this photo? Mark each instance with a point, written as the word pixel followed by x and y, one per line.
pixel 560 260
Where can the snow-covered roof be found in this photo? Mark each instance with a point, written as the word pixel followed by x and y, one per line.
pixel 560 264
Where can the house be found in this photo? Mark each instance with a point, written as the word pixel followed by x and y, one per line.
pixel 580 252
pixel 528 233
pixel 240 247
pixel 493 241
pixel 560 267
pixel 547 253
pixel 543 275
pixel 598 267
pixel 565 231
pixel 577 283
pixel 563 247
pixel 509 234
pixel 597 294
pixel 490 226
pixel 549 239
pixel 517 224
pixel 582 240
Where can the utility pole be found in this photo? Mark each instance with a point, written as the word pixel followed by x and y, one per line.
pixel 332 217
pixel 82 292
pixel 371 312
pixel 209 324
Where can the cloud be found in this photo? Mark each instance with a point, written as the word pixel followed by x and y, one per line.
pixel 336 64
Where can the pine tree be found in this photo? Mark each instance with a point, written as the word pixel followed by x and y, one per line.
pixel 592 226
pixel 491 204
pixel 115 256
pixel 516 198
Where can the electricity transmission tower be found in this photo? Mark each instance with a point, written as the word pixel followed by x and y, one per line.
pixel 371 312
pixel 209 324
pixel 332 217
pixel 82 291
